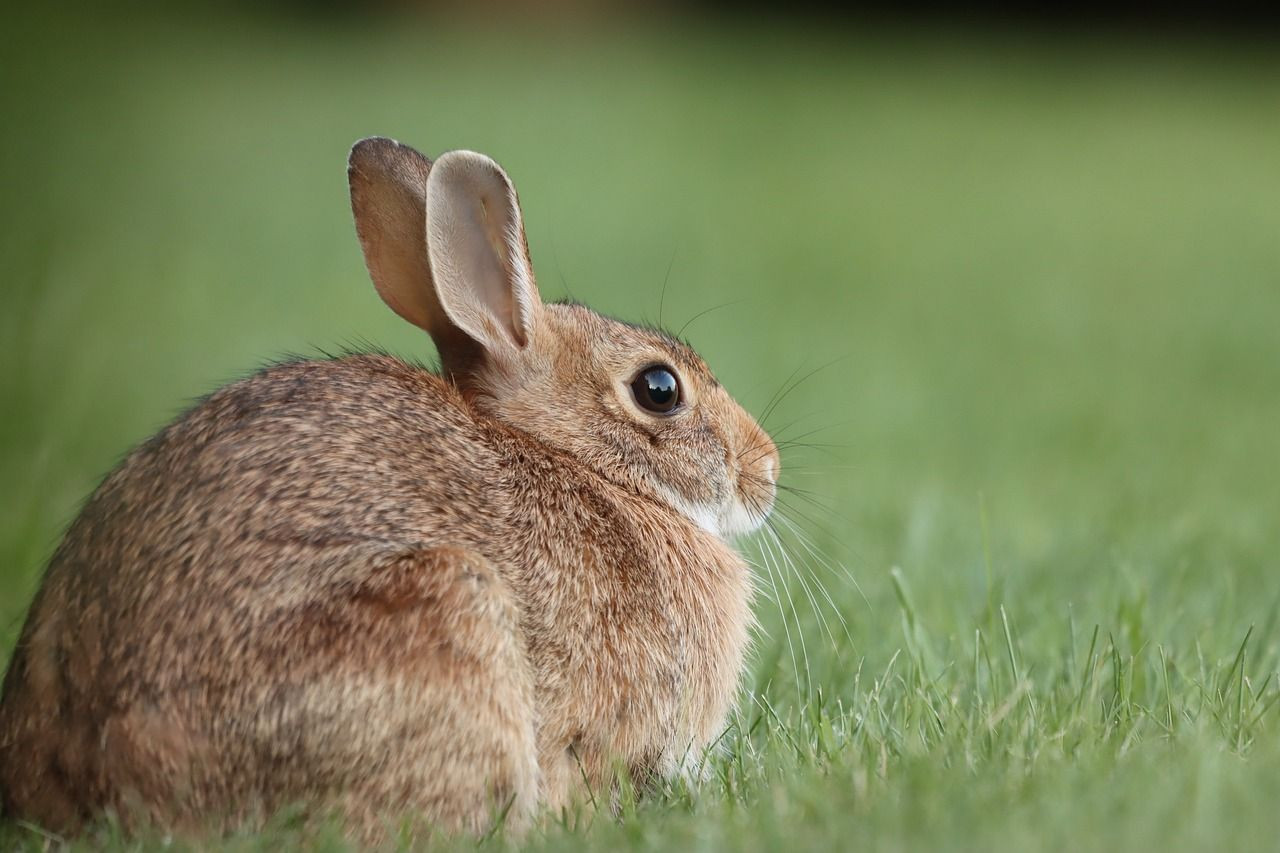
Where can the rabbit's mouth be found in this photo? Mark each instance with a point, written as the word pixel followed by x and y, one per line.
pixel 751 502
pixel 755 487
pixel 746 509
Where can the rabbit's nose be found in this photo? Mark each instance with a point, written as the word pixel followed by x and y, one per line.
pixel 769 470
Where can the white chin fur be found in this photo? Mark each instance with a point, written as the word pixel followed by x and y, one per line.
pixel 737 520
pixel 732 520
pixel 704 516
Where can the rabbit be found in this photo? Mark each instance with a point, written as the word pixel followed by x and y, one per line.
pixel 363 588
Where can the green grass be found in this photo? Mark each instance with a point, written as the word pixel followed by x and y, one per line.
pixel 1045 273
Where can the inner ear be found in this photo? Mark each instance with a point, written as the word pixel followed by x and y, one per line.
pixel 478 251
pixel 501 232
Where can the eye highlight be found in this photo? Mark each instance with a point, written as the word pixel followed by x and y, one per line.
pixel 656 389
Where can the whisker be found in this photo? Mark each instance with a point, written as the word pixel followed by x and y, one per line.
pixel 814 431
pixel 764 416
pixel 810 498
pixel 809 470
pixel 704 312
pixel 555 256
pixel 799 576
pixel 662 295
pixel 777 434
pixel 829 565
pixel 801 687
pixel 826 565
pixel 812 373
pixel 808 445
pixel 756 624
pixel 782 613
pixel 785 507
pixel 761 450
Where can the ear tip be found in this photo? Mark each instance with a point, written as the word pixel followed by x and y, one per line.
pixel 466 159
pixel 463 155
pixel 465 167
pixel 368 147
pixel 382 153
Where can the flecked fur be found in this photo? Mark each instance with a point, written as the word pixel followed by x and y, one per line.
pixel 358 585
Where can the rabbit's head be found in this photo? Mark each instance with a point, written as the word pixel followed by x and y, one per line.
pixel 445 246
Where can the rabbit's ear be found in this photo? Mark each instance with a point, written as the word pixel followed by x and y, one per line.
pixel 388 199
pixel 477 250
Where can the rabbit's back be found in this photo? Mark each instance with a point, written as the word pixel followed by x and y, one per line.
pixel 196 588
pixel 237 503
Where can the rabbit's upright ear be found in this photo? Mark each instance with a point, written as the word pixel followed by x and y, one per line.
pixel 478 254
pixel 388 199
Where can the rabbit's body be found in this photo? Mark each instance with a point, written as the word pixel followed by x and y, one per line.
pixel 359 585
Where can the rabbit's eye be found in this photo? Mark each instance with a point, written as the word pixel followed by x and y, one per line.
pixel 656 389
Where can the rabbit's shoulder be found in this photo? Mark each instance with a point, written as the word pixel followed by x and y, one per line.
pixel 362 404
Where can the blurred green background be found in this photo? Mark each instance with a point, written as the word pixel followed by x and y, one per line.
pixel 1039 271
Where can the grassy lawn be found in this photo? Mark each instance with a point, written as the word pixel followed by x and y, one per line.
pixel 1030 592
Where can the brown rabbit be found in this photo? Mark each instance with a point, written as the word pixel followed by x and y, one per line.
pixel 360 586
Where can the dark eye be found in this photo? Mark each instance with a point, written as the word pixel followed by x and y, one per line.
pixel 656 389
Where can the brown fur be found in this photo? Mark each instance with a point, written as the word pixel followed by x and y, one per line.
pixel 357 585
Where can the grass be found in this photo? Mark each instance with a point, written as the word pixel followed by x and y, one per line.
pixel 1033 601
